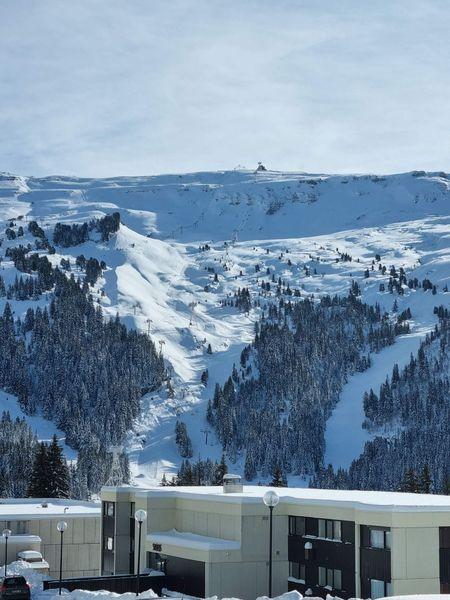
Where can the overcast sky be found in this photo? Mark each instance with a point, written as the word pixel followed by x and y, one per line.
pixel 118 87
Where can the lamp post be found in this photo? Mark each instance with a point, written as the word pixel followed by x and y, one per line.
pixel 61 527
pixel 270 499
pixel 140 516
pixel 6 533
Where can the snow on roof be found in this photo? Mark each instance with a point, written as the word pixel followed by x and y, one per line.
pixel 194 541
pixel 26 538
pixel 366 500
pixel 26 554
pixel 36 508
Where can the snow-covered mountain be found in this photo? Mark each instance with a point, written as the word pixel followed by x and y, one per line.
pixel 188 242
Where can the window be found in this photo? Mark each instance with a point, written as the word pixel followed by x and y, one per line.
pixel 21 527
pixel 322 528
pixel 331 578
pixel 378 589
pixel 108 509
pixel 14 581
pixel 296 525
pixel 330 530
pixel 337 534
pixel 387 539
pixel 297 571
pixel 376 539
pixel 380 538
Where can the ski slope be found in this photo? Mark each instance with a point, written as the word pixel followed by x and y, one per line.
pixel 159 281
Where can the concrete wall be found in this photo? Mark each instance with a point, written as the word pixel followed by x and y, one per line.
pixel 415 560
pixel 248 580
pixel 81 543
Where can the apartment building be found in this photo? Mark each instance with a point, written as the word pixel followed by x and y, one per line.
pixel 216 542
pixel 33 528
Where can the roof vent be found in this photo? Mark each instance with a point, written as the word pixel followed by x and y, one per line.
pixel 44 505
pixel 232 484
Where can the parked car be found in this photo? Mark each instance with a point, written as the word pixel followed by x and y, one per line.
pixel 14 588
pixel 33 560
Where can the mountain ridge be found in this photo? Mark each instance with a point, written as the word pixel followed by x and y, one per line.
pixel 155 269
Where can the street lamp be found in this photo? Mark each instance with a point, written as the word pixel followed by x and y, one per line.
pixel 140 516
pixel 61 527
pixel 6 533
pixel 270 499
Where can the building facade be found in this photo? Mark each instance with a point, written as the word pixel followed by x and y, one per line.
pixel 347 543
pixel 33 525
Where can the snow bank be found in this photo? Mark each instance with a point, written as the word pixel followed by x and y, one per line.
pixel 35 580
pixel 420 597
pixel 294 595
pixel 86 595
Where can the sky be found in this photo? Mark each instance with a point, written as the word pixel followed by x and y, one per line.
pixel 103 88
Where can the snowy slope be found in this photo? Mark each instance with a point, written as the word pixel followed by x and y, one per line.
pixel 156 275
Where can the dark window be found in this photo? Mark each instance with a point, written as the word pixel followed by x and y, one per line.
pixel 380 538
pixel 337 579
pixel 296 525
pixel 108 509
pixel 297 571
pixel 444 537
pixel 379 589
pixel 444 558
pixel 330 530
pixel 13 581
pixel 331 578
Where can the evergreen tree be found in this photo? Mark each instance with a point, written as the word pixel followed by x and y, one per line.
pixel 39 484
pixel 221 471
pixel 17 448
pixel 446 486
pixel 425 480
pixel 182 440
pixel 185 474
pixel 57 471
pixel 249 467
pixel 278 479
pixel 204 377
pixel 410 482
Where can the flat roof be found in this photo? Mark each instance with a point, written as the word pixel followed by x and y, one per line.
pixel 365 500
pixel 185 539
pixel 31 508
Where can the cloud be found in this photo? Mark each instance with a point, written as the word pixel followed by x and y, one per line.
pixel 109 87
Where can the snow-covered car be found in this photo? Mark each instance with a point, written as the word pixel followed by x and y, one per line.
pixel 33 560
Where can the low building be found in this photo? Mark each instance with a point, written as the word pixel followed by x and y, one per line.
pixel 215 542
pixel 33 528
